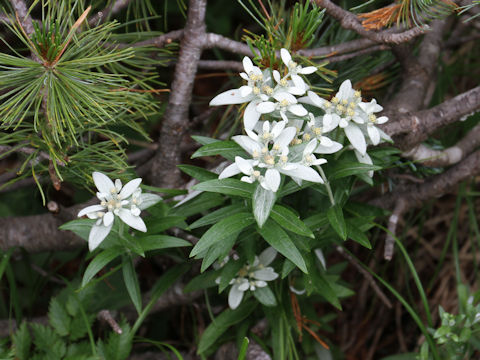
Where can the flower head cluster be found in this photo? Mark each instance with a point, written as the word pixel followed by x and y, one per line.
pixel 124 202
pixel 265 95
pixel 288 141
pixel 347 112
pixel 252 276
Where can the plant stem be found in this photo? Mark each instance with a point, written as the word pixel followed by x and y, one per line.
pixel 327 185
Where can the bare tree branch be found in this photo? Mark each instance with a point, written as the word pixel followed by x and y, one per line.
pixel 26 150
pixel 448 156
pixel 221 42
pixel 159 41
pixel 5 19
pixel 418 71
pixel 236 66
pixel 367 275
pixel 400 208
pixel 339 49
pixel 352 55
pixel 350 21
pixel 22 11
pixel 411 129
pixel 175 121
pixel 103 15
pixel 39 233
pixel 415 195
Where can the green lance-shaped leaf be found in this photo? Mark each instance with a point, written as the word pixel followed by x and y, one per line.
pixel 222 230
pixel 99 262
pixel 222 323
pixel 157 242
pixel 335 217
pixel 287 219
pixel 131 283
pixel 280 241
pixel 217 215
pixel 228 149
pixel 227 187
pixel 265 296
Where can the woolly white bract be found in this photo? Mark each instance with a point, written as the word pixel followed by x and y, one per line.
pixel 124 202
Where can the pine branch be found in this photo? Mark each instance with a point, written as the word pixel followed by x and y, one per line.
pixel 350 21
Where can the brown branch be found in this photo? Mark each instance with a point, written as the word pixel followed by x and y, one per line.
pixel 448 156
pixel 175 121
pixel 411 129
pixel 339 49
pixel 236 66
pixel 21 9
pixel 106 315
pixel 352 55
pixel 418 71
pixel 350 21
pixel 26 150
pixel 5 19
pixel 415 195
pixel 218 41
pixel 400 208
pixel 367 275
pixel 37 233
pixel 159 41
pixel 110 10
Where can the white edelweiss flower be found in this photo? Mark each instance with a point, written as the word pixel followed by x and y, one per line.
pixel 294 69
pixel 331 119
pixel 242 166
pixel 308 158
pixel 115 202
pixel 371 120
pixel 252 276
pixel 258 89
pixel 283 84
pixel 285 102
pixel 315 130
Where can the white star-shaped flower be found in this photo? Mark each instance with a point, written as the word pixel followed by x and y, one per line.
pixel 252 276
pixel 125 202
pixel 258 89
pixel 371 119
pixel 294 69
